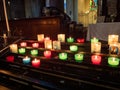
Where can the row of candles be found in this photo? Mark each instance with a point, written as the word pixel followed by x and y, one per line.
pixel 114 45
pixel 61 38
pixel 79 57
pixel 26 60
pixel 96 59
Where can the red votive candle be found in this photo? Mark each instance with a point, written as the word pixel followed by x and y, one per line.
pixel 47 54
pixel 80 40
pixel 10 58
pixel 35 45
pixel 96 59
pixel 36 63
pixel 23 44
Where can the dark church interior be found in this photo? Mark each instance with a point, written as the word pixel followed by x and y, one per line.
pixel 44 47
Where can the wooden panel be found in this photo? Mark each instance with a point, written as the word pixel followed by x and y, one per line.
pixel 29 28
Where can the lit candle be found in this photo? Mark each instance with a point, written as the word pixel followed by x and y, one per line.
pixel 26 60
pixel 73 47
pixel 56 45
pixel 79 57
pixel 22 50
pixel 113 39
pixel 63 56
pixel 48 44
pixel 96 59
pixel 5 39
pixel 47 54
pixel 23 44
pixel 35 45
pixel 61 37
pixel 34 52
pixel 36 63
pixel 14 48
pixel 93 40
pixel 80 40
pixel 10 58
pixel 113 61
pixel 96 47
pixel 70 39
pixel 40 37
pixel 47 38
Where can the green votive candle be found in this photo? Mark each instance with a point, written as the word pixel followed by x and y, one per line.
pixel 93 40
pixel 63 56
pixel 21 50
pixel 113 61
pixel 70 39
pixel 73 48
pixel 34 52
pixel 79 57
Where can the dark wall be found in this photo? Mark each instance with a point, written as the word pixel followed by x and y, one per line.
pixel 57 3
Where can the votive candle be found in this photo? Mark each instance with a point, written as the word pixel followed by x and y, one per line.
pixel 73 47
pixel 26 60
pixel 23 44
pixel 10 58
pixel 40 37
pixel 47 54
pixel 113 61
pixel 48 44
pixel 36 63
pixel 79 57
pixel 93 40
pixel 113 38
pixel 61 37
pixel 35 45
pixel 34 52
pixel 14 48
pixel 70 40
pixel 56 45
pixel 96 47
pixel 96 59
pixel 21 50
pixel 63 56
pixel 80 40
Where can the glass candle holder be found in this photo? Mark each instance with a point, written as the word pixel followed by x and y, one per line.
pixel 79 57
pixel 70 40
pixel 23 44
pixel 61 37
pixel 34 52
pixel 63 56
pixel 14 48
pixel 40 37
pixel 56 45
pixel 113 39
pixel 73 48
pixel 93 40
pixel 26 60
pixel 96 47
pixel 35 45
pixel 36 63
pixel 113 61
pixel 47 54
pixel 10 58
pixel 21 50
pixel 80 40
pixel 96 59
pixel 48 44
pixel 114 48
